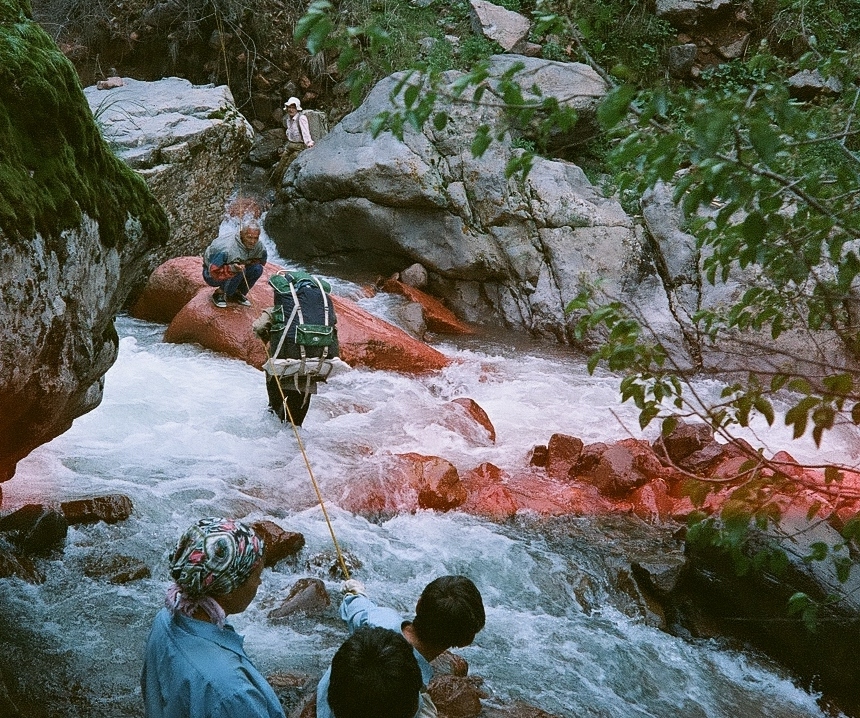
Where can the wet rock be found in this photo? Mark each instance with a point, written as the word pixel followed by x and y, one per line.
pixel 618 469
pixel 308 596
pixel 517 710
pixel 116 569
pixel 457 696
pixel 478 414
pixel 410 317
pixel 279 544
pixel 563 453
pixel 36 529
pixel 652 502
pixel 169 288
pixel 487 496
pixel 447 663
pixel 20 566
pixel 327 563
pixel 702 461
pixel 539 455
pixel 364 340
pixel 437 481
pixel 438 317
pixel 293 691
pixel 368 341
pixel 110 509
pixel 23 518
pixel 683 440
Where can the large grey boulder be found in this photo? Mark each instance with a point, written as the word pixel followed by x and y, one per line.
pixel 513 251
pixel 77 229
pixel 187 141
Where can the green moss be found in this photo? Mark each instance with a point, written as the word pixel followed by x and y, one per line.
pixel 54 164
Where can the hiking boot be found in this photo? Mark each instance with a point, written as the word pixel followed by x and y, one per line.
pixel 218 299
pixel 240 298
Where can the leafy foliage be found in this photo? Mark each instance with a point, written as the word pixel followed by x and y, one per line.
pixel 769 188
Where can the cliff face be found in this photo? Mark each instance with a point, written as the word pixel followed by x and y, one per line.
pixel 77 228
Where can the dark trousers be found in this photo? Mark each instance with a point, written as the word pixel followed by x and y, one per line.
pixel 297 402
pixel 242 282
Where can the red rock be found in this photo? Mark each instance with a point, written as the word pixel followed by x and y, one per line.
pixel 308 595
pixel 368 341
pixel 169 288
pixel 474 410
pixel 618 469
pixel 439 318
pixel 457 696
pixel 534 491
pixel 449 664
pixel 110 509
pixel 437 481
pixel 487 496
pixel 176 293
pixel 563 452
pixel 683 440
pixel 279 544
pixel 652 502
pixel 538 456
pixel 787 464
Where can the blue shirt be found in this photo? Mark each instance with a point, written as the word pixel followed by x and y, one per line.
pixel 358 611
pixel 193 669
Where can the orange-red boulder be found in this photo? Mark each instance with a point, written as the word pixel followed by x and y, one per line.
pixel 177 294
pixel 437 316
pixel 652 502
pixel 562 454
pixel 617 469
pixel 487 494
pixel 279 544
pixel 436 480
pixel 474 411
pixel 169 288
pixel 366 340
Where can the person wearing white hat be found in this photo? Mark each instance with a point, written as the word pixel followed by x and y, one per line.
pixel 298 137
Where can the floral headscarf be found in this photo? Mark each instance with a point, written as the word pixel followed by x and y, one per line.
pixel 213 557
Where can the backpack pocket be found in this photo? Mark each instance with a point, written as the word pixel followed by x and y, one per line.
pixel 314 335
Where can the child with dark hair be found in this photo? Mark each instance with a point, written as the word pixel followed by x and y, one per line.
pixel 449 613
pixel 374 674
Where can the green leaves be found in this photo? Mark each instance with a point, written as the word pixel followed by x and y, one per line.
pixel 615 106
pixel 315 26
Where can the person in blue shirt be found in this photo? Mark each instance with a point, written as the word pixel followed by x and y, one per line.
pixel 195 664
pixel 374 673
pixel 449 613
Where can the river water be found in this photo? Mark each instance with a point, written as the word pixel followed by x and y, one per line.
pixel 185 433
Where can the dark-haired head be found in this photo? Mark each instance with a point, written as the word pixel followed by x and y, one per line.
pixel 374 674
pixel 449 613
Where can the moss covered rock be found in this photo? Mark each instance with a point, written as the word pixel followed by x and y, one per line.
pixel 77 229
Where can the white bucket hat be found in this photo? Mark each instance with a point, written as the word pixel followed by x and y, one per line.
pixel 293 101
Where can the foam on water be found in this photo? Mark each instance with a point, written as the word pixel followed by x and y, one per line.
pixel 185 433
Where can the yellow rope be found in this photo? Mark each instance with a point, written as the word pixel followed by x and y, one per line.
pixel 223 47
pixel 305 457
